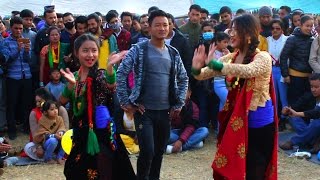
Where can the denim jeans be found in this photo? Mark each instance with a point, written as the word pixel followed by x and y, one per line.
pixel 221 90
pixel 280 87
pixel 153 131
pixel 49 147
pixel 198 135
pixel 306 133
pixel 3 120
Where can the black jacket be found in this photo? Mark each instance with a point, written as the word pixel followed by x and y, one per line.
pixel 297 50
pixel 181 43
pixel 42 39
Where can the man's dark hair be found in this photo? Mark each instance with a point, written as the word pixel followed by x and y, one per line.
pixel 48 11
pixel 126 13
pixel 203 10
pixel 195 7
pixel 240 11
pixel 170 16
pixel 59 15
pixel 207 23
pixel 220 36
pixel 278 21
pixel 215 16
pixel 93 16
pixel 110 15
pixel 81 20
pixel 287 8
pixel 225 9
pixel 67 14
pixel 152 8
pixel 154 14
pixel 26 13
pixel 314 76
pixel 143 16
pixel 15 20
pixel 98 13
pixel 15 13
pixel 36 20
pixel 136 18
pixel 113 11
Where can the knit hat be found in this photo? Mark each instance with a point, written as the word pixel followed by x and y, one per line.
pixel 265 10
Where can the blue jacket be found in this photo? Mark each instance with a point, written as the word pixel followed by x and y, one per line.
pixel 134 61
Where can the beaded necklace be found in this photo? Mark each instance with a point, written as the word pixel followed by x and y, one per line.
pixel 79 101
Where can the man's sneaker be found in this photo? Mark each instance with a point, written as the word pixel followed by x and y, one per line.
pixel 199 145
pixel 169 149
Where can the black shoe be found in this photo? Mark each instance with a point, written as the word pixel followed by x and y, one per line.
pixel 12 136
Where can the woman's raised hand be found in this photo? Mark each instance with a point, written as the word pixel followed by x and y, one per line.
pixel 68 75
pixel 115 58
pixel 211 54
pixel 199 57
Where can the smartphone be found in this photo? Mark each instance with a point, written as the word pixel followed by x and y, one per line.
pixel 24 40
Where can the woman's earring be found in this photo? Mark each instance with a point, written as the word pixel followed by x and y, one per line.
pixel 249 40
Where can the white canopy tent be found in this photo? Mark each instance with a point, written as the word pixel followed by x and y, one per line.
pixel 85 7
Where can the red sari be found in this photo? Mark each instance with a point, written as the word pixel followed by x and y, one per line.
pixel 230 158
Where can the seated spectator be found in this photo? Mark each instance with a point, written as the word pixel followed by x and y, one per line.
pixel 55 86
pixel 186 133
pixel 43 95
pixel 50 131
pixel 53 55
pixel 128 133
pixel 6 147
pixel 307 131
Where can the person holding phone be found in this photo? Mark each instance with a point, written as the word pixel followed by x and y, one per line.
pixel 17 54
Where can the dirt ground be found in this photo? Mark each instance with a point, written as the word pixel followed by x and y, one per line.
pixel 190 165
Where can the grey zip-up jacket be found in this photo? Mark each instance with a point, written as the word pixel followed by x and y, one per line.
pixel 134 61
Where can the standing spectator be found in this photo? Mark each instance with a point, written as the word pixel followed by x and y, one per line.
pixel 3 119
pixel 240 12
pixel 123 36
pixel 204 15
pixel 276 43
pixel 60 23
pixel 192 29
pixel 297 50
pixel 295 20
pixel 107 40
pixel 3 30
pixel 55 86
pixel 284 12
pixel 69 29
pixel 144 31
pixel 52 55
pixel 265 17
pixel 19 82
pixel 226 16
pixel 176 39
pixel 160 87
pixel 135 26
pixel 27 19
pixel 126 20
pixel 314 57
pixel 42 37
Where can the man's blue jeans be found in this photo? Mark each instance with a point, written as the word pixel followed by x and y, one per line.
pixel 280 87
pixel 197 136
pixel 49 147
pixel 306 133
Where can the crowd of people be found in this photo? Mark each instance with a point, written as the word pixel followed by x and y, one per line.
pixel 129 84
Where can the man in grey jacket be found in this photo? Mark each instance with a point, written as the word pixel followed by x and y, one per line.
pixel 159 91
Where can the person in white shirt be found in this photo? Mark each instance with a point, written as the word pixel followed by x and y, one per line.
pixel 275 46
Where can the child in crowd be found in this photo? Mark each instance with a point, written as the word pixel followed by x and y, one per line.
pixel 55 86
pixel 219 85
pixel 128 133
pixel 306 122
pixel 186 133
pixel 49 134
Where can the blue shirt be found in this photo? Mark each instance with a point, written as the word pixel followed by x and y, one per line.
pixel 17 61
pixel 55 89
pixel 1 49
pixel 30 34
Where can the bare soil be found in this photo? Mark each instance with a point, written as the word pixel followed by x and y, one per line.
pixel 189 165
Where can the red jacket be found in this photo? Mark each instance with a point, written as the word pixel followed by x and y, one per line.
pixel 123 40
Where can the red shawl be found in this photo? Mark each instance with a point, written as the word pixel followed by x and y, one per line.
pixel 230 158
